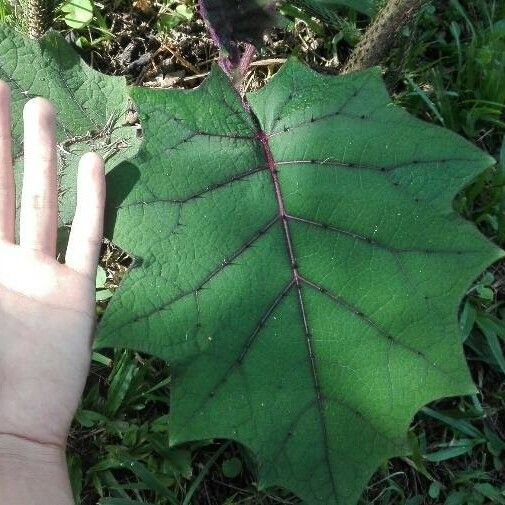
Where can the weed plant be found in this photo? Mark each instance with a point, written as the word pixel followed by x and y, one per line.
pixel 449 69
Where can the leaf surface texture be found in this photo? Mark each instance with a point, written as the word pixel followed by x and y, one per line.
pixel 91 106
pixel 300 265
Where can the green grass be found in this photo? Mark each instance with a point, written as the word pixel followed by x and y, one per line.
pixel 5 11
pixel 454 75
pixel 449 69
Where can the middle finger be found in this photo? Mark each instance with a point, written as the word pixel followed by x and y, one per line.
pixel 39 213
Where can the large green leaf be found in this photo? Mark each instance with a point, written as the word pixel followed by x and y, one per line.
pixel 91 106
pixel 301 266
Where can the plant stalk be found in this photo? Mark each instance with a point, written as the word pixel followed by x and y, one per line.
pixel 38 15
pixel 244 64
pixel 381 34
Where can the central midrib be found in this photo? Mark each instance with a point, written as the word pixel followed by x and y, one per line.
pixel 263 139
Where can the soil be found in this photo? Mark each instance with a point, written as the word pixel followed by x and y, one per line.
pixel 183 56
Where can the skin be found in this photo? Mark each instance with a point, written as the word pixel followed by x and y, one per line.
pixel 47 309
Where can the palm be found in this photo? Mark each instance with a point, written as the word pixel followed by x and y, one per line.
pixel 46 308
pixel 45 357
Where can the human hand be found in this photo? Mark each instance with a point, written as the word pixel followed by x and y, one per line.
pixel 47 309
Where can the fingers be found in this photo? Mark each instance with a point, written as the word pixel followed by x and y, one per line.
pixel 87 229
pixel 38 220
pixel 7 198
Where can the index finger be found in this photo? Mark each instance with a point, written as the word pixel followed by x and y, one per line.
pixel 87 228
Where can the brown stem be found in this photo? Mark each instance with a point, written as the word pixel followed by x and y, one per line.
pixel 381 34
pixel 38 17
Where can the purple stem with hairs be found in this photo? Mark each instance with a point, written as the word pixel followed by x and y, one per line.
pixel 234 64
